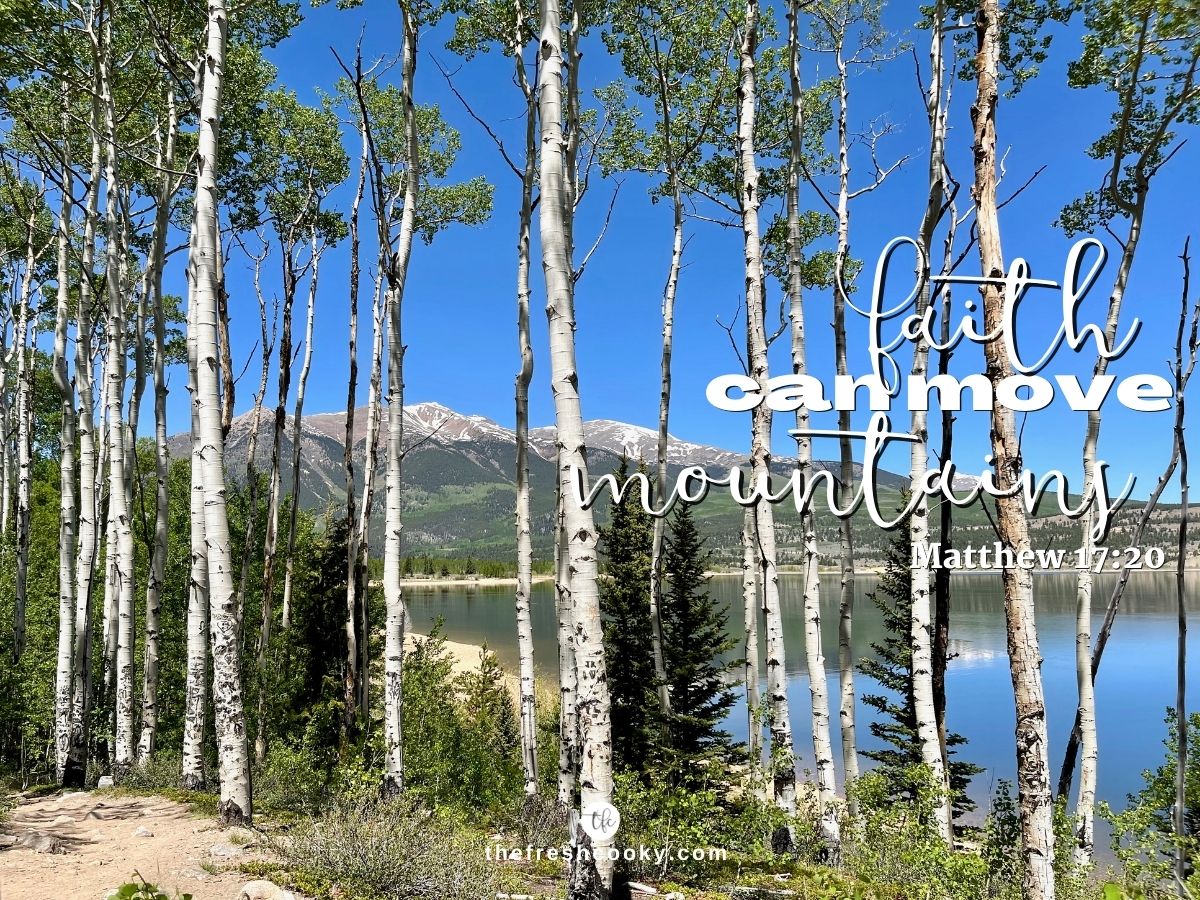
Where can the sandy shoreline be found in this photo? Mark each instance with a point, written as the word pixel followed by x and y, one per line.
pixel 468 582
pixel 870 573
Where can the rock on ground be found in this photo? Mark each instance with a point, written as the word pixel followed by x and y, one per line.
pixel 264 890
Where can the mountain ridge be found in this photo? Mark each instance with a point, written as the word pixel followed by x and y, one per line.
pixel 459 471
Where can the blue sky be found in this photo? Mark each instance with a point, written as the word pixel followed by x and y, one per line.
pixel 459 308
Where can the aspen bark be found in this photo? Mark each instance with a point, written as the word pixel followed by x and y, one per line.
pixel 274 494
pixel 397 272
pixel 524 592
pixel 568 682
pixel 593 877
pixel 1182 374
pixel 750 608
pixel 779 715
pixel 66 472
pixel 233 762
pixel 350 664
pixel 6 456
pixel 368 503
pixel 297 419
pixel 924 705
pixel 267 342
pixel 119 505
pixel 664 398
pixel 75 772
pixel 813 651
pixel 196 679
pixel 846 659
pixel 1085 730
pixel 1033 775
pixel 158 553
pixel 23 346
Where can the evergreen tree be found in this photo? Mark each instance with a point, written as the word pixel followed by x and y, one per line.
pixel 625 604
pixel 891 667
pixel 696 645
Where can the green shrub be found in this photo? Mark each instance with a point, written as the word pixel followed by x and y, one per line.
pixel 898 844
pixel 163 771
pixel 537 821
pixel 1143 838
pixel 292 780
pixel 461 747
pixel 388 849
pixel 659 815
pixel 143 890
pixel 1001 851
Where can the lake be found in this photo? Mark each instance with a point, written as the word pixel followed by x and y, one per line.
pixel 1135 685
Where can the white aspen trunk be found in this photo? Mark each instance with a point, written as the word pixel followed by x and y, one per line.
pixel 196 683
pixel 1033 775
pixel 158 553
pixel 63 680
pixel 664 399
pixel 227 382
pixel 941 577
pixel 23 345
pixel 1085 807
pixel 397 614
pixel 297 419
pixel 368 504
pixel 568 683
pixel 664 409
pixel 267 338
pixel 1182 373
pixel 350 664
pixel 528 684
pixel 6 479
pixel 396 621
pixel 814 652
pixel 750 608
pixel 274 492
pixel 779 716
pixel 925 709
pixel 593 877
pixel 234 806
pixel 111 591
pixel 121 525
pixel 846 661
pixel 88 531
pixel 119 506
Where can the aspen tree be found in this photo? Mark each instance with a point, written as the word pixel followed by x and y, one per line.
pixel 66 467
pixel 1134 54
pixel 233 760
pixel 1033 775
pixel 813 651
pixel 591 877
pixel 783 759
pixel 510 25
pixel 929 735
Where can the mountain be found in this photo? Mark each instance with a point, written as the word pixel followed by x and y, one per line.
pixel 459 475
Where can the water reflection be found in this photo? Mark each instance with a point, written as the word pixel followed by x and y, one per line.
pixel 1135 686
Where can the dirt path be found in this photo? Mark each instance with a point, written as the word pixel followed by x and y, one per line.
pixel 81 846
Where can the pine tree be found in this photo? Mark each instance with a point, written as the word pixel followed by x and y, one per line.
pixel 625 604
pixel 696 645
pixel 891 667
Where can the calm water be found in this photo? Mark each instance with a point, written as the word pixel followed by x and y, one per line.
pixel 1135 685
